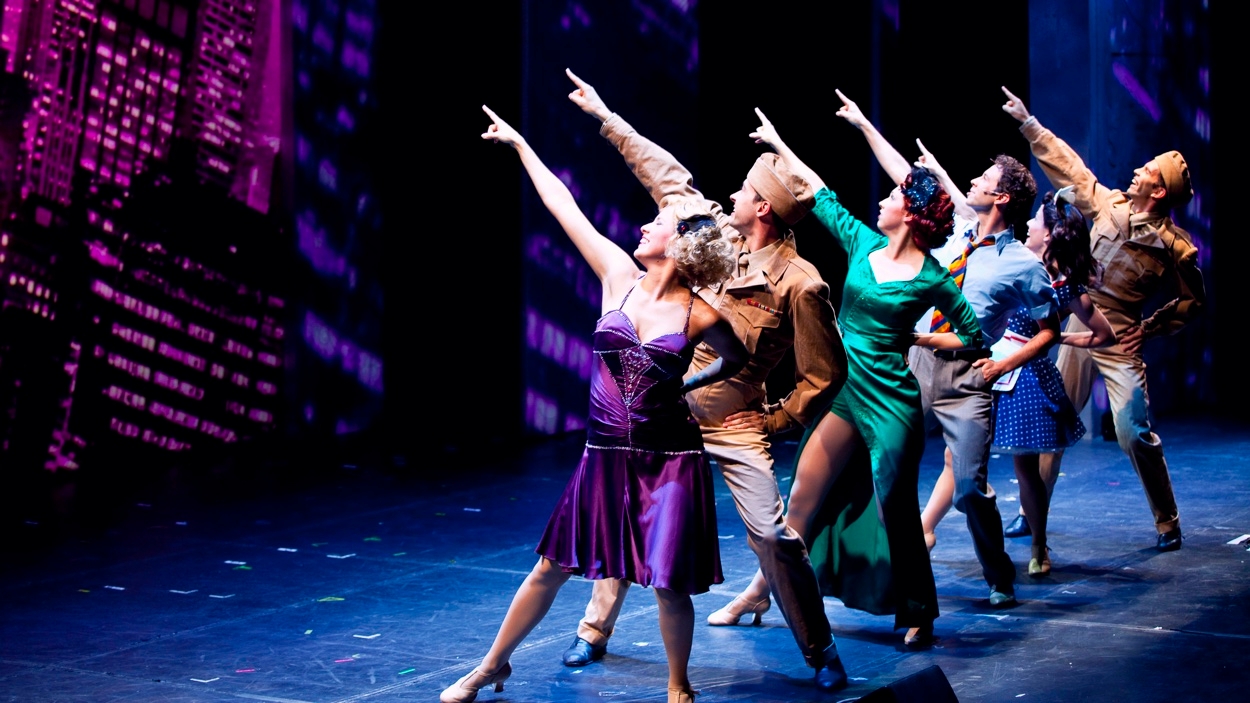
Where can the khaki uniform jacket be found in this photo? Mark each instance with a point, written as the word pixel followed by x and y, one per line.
pixel 1143 254
pixel 781 302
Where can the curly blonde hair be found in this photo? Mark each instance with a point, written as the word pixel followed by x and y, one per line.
pixel 703 255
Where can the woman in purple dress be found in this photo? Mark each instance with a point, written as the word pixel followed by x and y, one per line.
pixel 639 506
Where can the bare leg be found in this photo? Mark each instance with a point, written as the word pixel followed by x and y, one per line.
pixel 1048 465
pixel 677 629
pixel 1035 502
pixel 1034 499
pixel 824 456
pixel 939 502
pixel 529 606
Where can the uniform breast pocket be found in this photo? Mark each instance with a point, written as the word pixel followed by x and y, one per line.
pixel 1134 272
pixel 752 322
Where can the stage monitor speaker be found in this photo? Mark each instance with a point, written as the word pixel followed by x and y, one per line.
pixel 925 686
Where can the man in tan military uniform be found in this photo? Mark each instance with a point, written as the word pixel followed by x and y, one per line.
pixel 1143 254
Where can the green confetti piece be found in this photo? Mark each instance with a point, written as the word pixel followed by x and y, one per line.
pixel 440 514
pixel 406 671
pixel 373 539
pixel 319 544
pixel 308 632
pixel 242 568
pixel 399 554
pixel 330 599
pixel 84 590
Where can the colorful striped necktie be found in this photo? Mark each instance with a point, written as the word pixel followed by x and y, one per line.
pixel 958 268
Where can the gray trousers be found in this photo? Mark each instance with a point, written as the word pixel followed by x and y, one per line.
pixel 744 461
pixel 957 397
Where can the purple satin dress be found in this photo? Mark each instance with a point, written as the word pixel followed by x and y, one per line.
pixel 639 506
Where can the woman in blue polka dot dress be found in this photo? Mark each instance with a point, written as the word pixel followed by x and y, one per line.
pixel 1035 417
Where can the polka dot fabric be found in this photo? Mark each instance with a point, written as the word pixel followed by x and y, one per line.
pixel 1036 416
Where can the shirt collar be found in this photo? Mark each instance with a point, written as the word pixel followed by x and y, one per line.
pixel 1001 239
pixel 773 259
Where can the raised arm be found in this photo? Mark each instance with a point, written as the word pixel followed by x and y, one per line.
pixel 766 133
pixel 665 179
pixel 840 223
pixel 606 259
pixel 893 162
pixel 958 199
pixel 1062 165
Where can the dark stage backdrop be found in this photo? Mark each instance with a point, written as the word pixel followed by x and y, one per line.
pixel 205 203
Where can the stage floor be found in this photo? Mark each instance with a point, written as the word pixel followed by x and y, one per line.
pixel 387 585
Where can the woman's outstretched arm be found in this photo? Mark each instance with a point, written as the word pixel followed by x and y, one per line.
pixel 606 259
pixel 958 199
pixel 766 133
pixel 889 157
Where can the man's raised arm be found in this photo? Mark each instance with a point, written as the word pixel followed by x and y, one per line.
pixel 665 179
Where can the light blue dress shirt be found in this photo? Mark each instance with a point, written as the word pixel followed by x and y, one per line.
pixel 999 280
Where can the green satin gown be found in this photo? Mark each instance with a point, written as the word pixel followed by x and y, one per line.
pixel 874 563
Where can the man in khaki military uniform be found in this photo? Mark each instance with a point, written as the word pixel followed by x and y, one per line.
pixel 1143 254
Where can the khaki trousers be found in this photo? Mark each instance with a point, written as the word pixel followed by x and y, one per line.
pixel 1125 378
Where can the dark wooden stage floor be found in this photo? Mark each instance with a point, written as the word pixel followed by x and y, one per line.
pixel 368 584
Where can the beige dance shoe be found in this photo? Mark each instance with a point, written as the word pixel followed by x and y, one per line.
pixel 465 690
pixel 736 609
pixel 681 695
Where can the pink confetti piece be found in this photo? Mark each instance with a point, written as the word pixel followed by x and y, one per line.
pixel 244 671
pixel 340 661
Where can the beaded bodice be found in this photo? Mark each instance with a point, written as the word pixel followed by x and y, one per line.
pixel 635 394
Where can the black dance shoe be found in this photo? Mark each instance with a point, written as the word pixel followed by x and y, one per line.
pixel 831 676
pixel 1018 528
pixel 581 652
pixel 1169 541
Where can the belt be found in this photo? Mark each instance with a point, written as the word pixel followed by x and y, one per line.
pixel 961 354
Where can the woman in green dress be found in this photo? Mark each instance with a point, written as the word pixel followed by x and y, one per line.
pixel 891 282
